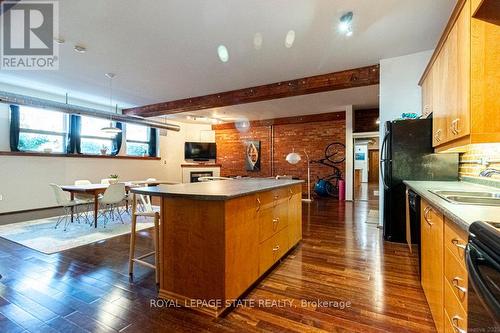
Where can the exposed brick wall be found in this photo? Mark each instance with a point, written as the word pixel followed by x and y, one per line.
pixel 231 151
pixel 365 120
pixel 312 136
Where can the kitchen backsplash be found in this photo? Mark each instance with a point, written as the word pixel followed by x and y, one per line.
pixel 470 165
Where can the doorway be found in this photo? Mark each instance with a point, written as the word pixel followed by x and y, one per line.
pixel 366 169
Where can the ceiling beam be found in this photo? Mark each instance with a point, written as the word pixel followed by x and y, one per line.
pixel 332 116
pixel 352 78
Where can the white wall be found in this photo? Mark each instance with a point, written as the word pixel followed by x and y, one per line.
pixel 400 92
pixel 362 164
pixel 172 154
pixel 24 180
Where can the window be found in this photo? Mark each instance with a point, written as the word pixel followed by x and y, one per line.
pixel 93 140
pixel 137 140
pixel 42 130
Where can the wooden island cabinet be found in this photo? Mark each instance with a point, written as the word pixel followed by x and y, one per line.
pixel 219 238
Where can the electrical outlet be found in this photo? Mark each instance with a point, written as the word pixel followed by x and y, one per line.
pixel 1 197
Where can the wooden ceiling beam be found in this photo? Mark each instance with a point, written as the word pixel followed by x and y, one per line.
pixel 332 116
pixel 352 78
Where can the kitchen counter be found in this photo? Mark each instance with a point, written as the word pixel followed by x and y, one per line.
pixel 462 215
pixel 217 190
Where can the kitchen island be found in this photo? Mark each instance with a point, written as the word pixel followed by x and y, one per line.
pixel 218 238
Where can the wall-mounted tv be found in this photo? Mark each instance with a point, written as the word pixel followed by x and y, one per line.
pixel 200 151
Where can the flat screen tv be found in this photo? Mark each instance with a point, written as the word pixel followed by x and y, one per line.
pixel 200 151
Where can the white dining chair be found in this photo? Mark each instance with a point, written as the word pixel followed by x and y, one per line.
pixel 111 199
pixel 140 203
pixel 87 200
pixel 105 181
pixel 67 204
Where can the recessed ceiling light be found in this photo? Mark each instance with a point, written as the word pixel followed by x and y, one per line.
pixel 110 75
pixel 223 53
pixel 257 41
pixel 80 49
pixel 59 41
pixel 290 39
pixel 345 25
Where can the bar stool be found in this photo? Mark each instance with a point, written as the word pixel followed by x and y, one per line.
pixel 148 212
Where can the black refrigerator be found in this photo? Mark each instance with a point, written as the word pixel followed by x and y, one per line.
pixel 407 154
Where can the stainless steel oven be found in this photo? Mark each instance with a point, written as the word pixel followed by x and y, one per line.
pixel 483 267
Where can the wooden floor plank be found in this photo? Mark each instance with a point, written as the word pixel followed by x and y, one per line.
pixel 341 259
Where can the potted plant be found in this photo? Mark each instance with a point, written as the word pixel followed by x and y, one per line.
pixel 113 179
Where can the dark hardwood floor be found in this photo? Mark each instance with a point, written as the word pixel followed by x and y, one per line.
pixel 340 259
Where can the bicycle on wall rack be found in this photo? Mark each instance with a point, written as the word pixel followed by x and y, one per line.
pixel 328 186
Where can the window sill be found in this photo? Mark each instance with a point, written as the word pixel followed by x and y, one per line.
pixel 33 154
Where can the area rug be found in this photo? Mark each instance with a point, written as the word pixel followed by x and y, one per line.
pixel 372 217
pixel 40 234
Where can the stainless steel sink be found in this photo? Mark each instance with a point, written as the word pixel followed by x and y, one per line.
pixel 470 197
pixel 474 200
pixel 467 194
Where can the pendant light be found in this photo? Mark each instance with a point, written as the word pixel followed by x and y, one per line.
pixel 111 129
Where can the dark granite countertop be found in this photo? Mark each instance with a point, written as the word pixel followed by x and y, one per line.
pixel 216 190
pixel 462 215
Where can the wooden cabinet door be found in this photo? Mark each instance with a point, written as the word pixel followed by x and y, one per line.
pixel 427 96
pixel 295 215
pixel 460 120
pixel 432 260
pixel 438 103
pixel 450 83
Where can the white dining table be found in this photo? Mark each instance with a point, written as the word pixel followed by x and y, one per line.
pixel 95 189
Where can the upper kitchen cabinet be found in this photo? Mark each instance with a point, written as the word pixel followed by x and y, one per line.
pixel 461 83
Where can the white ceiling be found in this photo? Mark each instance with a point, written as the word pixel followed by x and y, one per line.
pixel 167 50
pixel 332 101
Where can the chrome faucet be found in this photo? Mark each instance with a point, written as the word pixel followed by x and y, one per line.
pixel 489 172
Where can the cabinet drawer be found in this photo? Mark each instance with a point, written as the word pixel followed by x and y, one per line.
pixel 272 220
pixel 272 250
pixel 271 198
pixel 455 240
pixel 455 315
pixel 456 276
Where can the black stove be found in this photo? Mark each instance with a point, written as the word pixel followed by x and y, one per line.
pixel 483 267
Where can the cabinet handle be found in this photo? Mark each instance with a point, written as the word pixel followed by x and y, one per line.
pixel 258 204
pixel 456 242
pixel 454 322
pixel 452 127
pixel 426 218
pixel 276 221
pixel 276 248
pixel 455 282
pixel 457 130
pixel 437 135
pixel 291 194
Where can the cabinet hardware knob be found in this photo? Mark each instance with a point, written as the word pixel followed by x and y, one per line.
pixel 455 281
pixel 454 322
pixel 276 248
pixel 276 221
pixel 456 242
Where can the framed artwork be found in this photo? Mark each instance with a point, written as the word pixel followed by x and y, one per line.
pixel 252 155
pixel 359 156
